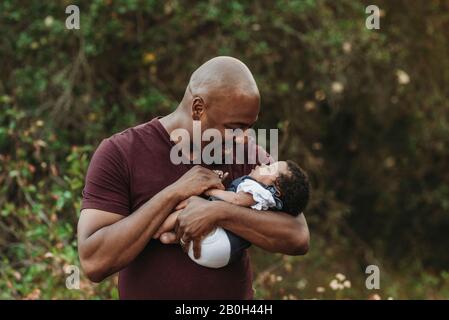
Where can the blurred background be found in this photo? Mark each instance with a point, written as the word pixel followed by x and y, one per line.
pixel 365 112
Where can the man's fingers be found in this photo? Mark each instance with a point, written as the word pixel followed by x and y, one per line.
pixel 168 238
pixel 178 231
pixel 185 244
pixel 181 237
pixel 182 205
pixel 197 248
pixel 219 185
pixel 168 224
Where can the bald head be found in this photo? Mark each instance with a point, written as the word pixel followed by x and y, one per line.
pixel 222 94
pixel 221 77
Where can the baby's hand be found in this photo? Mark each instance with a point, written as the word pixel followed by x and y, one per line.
pixel 222 175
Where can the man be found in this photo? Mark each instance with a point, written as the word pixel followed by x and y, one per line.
pixel 132 186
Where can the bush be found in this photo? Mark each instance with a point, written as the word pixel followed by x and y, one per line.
pixel 364 111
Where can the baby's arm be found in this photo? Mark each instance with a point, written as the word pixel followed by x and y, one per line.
pixel 243 199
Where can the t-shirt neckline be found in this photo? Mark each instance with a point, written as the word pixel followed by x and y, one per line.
pixel 162 131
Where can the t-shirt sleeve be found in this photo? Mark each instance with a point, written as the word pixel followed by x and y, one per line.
pixel 107 181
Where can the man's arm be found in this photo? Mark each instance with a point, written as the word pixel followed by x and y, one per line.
pixel 271 231
pixel 107 242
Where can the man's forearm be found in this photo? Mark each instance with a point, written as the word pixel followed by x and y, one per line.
pixel 271 231
pixel 112 247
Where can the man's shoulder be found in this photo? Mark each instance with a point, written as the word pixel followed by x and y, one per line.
pixel 143 133
pixel 129 133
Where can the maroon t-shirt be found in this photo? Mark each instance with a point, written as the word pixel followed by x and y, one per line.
pixel 126 171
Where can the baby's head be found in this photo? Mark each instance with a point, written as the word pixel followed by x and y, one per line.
pixel 291 182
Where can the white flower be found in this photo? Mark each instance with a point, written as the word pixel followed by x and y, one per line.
pixel 340 277
pixel 301 284
pixel 309 105
pixel 320 289
pixel 337 87
pixel 347 47
pixel 334 284
pixel 49 21
pixel 347 284
pixel 403 77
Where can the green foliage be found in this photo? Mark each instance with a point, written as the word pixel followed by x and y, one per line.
pixel 364 111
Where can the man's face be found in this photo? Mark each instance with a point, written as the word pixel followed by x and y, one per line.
pixel 235 111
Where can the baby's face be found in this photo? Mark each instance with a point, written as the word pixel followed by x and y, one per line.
pixel 267 174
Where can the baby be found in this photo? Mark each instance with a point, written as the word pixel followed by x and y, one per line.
pixel 282 186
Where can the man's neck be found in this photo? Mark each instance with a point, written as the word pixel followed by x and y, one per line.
pixel 175 120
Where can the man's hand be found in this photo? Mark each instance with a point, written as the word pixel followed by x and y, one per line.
pixel 194 221
pixel 195 181
pixel 168 225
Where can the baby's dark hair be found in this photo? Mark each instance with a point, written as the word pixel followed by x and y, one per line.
pixel 294 188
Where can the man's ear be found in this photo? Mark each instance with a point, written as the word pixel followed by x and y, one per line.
pixel 198 107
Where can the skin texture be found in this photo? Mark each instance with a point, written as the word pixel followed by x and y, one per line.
pixel 221 94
